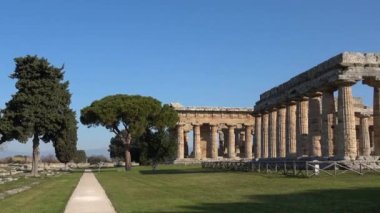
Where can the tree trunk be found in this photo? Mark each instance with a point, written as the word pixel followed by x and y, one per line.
pixel 36 155
pixel 127 146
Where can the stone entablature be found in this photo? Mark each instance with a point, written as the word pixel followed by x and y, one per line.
pixel 327 126
pixel 215 115
pixel 218 132
pixel 345 67
pixel 299 118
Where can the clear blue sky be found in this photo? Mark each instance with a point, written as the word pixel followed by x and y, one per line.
pixel 198 52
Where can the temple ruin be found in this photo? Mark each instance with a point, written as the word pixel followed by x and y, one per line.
pixel 297 119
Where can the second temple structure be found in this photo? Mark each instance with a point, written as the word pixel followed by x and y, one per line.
pixel 297 119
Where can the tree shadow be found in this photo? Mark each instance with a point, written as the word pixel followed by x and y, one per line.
pixel 332 200
pixel 179 171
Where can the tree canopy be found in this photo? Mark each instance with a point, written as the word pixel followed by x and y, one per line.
pixel 66 140
pixel 128 116
pixel 157 146
pixel 39 107
pixel 116 148
pixel 80 156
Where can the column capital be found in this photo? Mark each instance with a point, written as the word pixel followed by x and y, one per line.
pixel 329 88
pixel 196 124
pixel 256 114
pixel 291 102
pixel 364 115
pixel 340 83
pixel 314 94
pixel 248 125
pixel 272 109
pixel 214 124
pixel 371 81
pixel 301 98
pixel 280 106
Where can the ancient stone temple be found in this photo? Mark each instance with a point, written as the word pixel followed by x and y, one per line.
pixel 299 118
pixel 217 132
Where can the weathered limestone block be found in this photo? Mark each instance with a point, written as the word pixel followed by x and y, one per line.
pixel 315 125
pixel 248 141
pixel 272 134
pixel 328 123
pixel 258 142
pixel 302 126
pixel 365 145
pixel 180 142
pixel 197 142
pixel 231 142
pixel 205 141
pixel 265 135
pixel 346 124
pixel 291 134
pixel 214 141
pixel 281 132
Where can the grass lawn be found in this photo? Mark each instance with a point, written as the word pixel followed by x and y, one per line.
pixel 193 189
pixel 22 181
pixel 50 195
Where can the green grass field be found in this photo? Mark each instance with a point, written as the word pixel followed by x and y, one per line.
pixel 192 189
pixel 50 195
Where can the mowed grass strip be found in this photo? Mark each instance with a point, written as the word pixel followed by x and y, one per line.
pixel 50 195
pixel 21 181
pixel 193 189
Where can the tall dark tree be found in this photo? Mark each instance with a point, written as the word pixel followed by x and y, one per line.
pixel 157 146
pixel 128 116
pixel 158 143
pixel 65 143
pixel 37 110
pixel 80 156
pixel 116 148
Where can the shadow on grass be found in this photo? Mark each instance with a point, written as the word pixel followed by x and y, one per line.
pixel 334 200
pixel 179 171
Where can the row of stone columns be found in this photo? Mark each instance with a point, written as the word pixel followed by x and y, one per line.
pixel 308 126
pixel 213 141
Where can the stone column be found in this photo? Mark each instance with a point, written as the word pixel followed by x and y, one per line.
pixel 315 125
pixel 265 136
pixel 364 136
pixel 281 132
pixel 272 134
pixel 197 142
pixel 291 134
pixel 231 142
pixel 238 140
pixel 205 141
pixel 248 141
pixel 346 124
pixel 328 122
pixel 371 137
pixel 258 136
pixel 222 144
pixel 214 141
pixel 302 125
pixel 186 138
pixel 376 113
pixel 376 118
pixel 180 142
